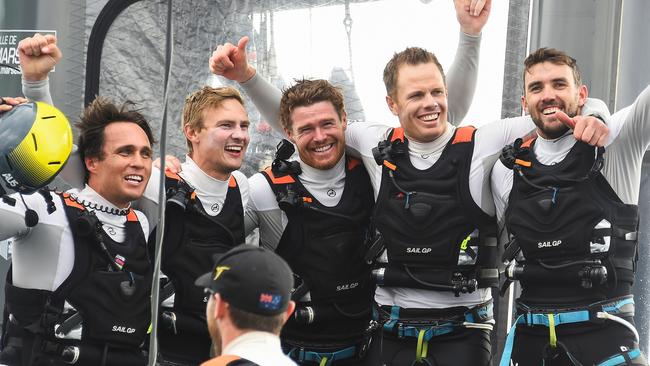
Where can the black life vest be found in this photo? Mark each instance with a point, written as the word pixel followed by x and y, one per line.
pixel 109 287
pixel 325 248
pixel 192 238
pixel 435 235
pixel 570 226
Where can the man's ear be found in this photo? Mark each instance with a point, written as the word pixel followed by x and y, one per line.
pixel 91 164
pixel 583 94
pixel 524 106
pixel 190 133
pixel 290 135
pixel 391 105
pixel 344 121
pixel 290 308
pixel 220 307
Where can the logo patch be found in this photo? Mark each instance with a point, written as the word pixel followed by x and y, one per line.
pixel 270 301
pixel 418 250
pixel 331 192
pixel 215 207
pixel 119 260
pixel 9 179
pixel 219 270
pixel 549 244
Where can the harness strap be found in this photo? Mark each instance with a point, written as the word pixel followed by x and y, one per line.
pixel 622 358
pixel 473 318
pixel 619 307
pixel 323 358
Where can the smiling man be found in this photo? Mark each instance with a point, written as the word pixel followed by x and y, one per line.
pixel 206 201
pixel 80 282
pixel 205 215
pixel 316 212
pixel 433 204
pixel 571 211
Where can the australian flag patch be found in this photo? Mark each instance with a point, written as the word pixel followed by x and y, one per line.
pixel 270 301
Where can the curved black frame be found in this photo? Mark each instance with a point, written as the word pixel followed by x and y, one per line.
pixel 105 19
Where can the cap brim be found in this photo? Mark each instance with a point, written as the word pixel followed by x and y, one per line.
pixel 204 280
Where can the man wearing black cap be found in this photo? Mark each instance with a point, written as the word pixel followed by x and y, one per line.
pixel 250 301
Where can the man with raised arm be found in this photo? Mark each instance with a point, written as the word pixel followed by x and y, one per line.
pixel 79 287
pixel 571 212
pixel 433 208
pixel 206 201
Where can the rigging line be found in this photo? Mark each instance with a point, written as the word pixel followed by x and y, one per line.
pixel 347 22
pixel 155 284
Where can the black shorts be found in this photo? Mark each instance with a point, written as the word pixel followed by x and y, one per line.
pixel 464 347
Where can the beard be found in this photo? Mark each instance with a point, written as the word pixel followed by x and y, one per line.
pixel 552 128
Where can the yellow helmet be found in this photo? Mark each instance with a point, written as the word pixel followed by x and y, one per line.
pixel 35 143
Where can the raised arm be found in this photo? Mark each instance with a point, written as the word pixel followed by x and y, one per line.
pixel 230 61
pixel 463 73
pixel 38 56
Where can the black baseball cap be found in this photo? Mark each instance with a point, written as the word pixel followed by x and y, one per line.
pixel 252 279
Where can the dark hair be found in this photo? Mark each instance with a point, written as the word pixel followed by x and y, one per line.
pixel 553 56
pixel 307 92
pixel 410 56
pixel 99 114
pixel 266 323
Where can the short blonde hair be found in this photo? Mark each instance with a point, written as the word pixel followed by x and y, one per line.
pixel 200 101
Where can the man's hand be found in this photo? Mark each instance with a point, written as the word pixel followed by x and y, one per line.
pixel 587 129
pixel 230 61
pixel 7 103
pixel 171 163
pixel 38 55
pixel 472 15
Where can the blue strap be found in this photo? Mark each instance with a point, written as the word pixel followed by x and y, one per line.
pixel 510 341
pixel 392 321
pixel 562 318
pixel 483 313
pixel 619 359
pixel 432 331
pixel 616 308
pixel 302 355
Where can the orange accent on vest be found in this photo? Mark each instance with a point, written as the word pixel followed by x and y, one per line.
pixel 232 183
pixel 131 216
pixel 353 163
pixel 282 180
pixel 390 165
pixel 193 195
pixel 169 174
pixel 528 142
pixel 307 199
pixel 464 134
pixel 69 202
pixel 221 360
pixel 523 163
pixel 398 134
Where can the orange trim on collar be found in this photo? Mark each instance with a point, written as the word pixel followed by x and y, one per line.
pixel 464 134
pixel 282 180
pixel 353 163
pixel 232 182
pixel 398 134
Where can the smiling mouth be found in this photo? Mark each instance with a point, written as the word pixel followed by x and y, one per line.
pixel 234 148
pixel 134 178
pixel 548 111
pixel 430 117
pixel 323 148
